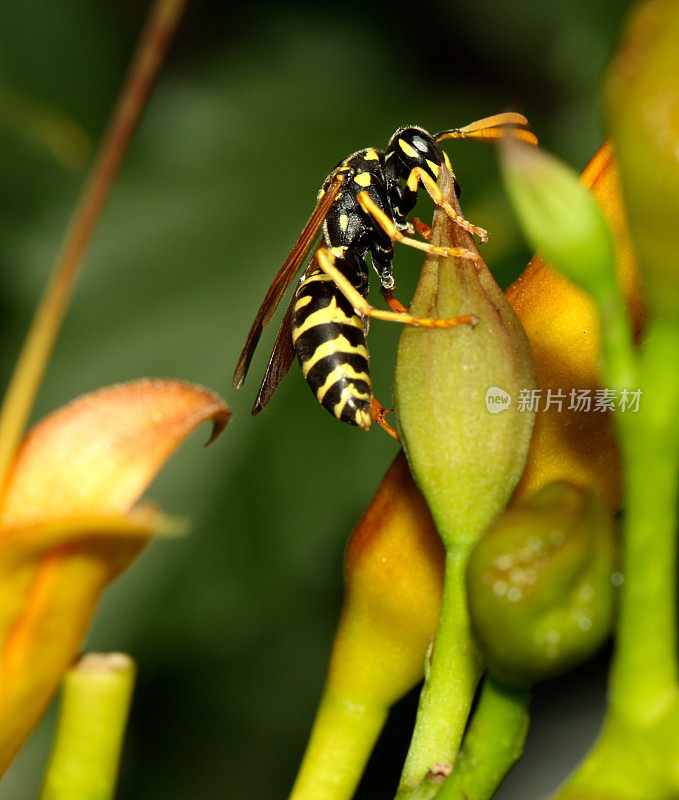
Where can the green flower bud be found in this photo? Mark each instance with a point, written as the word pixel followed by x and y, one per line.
pixel 559 217
pixel 95 704
pixel 642 110
pixel 539 584
pixel 465 459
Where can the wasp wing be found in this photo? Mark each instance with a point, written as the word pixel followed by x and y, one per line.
pixel 306 241
pixel 282 357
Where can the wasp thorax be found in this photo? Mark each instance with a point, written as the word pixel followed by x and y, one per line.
pixel 465 457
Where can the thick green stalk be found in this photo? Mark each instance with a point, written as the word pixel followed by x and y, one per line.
pixel 636 756
pixel 449 688
pixel 645 664
pixel 644 678
pixel 95 702
pixel 493 744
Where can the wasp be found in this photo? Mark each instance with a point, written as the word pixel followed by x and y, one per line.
pixel 362 208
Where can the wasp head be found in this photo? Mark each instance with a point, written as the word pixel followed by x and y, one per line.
pixel 412 147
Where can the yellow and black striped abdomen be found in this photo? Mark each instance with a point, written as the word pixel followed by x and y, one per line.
pixel 329 339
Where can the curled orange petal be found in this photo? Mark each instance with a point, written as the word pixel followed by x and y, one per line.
pixel 100 452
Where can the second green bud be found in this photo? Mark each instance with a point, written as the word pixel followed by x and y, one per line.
pixel 540 586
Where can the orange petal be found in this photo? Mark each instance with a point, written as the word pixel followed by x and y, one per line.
pixel 100 452
pixel 562 327
pixel 51 576
pixel 394 575
pixel 65 531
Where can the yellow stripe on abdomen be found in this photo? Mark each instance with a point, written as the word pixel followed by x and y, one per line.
pixel 327 315
pixel 303 301
pixel 340 344
pixel 343 371
pixel 361 417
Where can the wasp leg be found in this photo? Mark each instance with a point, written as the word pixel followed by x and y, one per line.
pixel 326 261
pixel 418 174
pixel 371 208
pixel 421 227
pixel 378 412
pixel 394 304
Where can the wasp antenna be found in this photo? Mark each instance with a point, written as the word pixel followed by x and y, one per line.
pixel 488 135
pixel 523 136
pixel 509 124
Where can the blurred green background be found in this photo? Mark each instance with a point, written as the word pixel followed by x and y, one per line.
pixel 232 625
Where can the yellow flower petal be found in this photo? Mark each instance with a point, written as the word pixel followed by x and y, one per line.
pixel 51 576
pixel 100 452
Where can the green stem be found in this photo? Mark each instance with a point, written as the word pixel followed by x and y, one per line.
pixel 645 665
pixel 448 690
pixel 341 741
pixel 493 744
pixel 620 362
pixel 95 702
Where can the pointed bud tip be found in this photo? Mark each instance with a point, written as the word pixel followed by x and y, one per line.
pixel 558 216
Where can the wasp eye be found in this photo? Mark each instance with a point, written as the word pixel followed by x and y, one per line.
pixel 420 144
